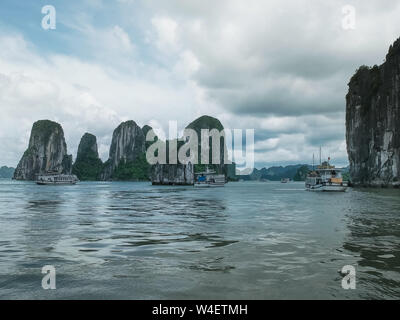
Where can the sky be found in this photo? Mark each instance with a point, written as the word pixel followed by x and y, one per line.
pixel 278 67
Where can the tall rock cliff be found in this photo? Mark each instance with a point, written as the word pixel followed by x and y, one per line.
pixel 88 165
pixel 372 122
pixel 127 154
pixel 171 174
pixel 183 174
pixel 210 123
pixel 47 151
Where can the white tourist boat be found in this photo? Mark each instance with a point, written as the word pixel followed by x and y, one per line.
pixel 56 179
pixel 209 179
pixel 326 178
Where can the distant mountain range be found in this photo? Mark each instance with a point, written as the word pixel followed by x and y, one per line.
pixel 6 172
pixel 274 173
pixel 295 172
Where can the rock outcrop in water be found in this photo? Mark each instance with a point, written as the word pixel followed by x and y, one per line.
pixel 172 174
pixel 88 165
pixel 127 158
pixel 210 123
pixel 183 174
pixel 47 151
pixel 127 154
pixel 372 123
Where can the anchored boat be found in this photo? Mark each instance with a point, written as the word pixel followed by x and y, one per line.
pixel 326 178
pixel 56 179
pixel 208 179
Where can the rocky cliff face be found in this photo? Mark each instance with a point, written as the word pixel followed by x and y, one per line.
pixel 172 174
pixel 88 165
pixel 146 129
pixel 127 146
pixel 47 151
pixel 372 122
pixel 210 123
pixel 181 174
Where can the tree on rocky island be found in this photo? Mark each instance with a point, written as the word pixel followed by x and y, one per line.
pixel 88 165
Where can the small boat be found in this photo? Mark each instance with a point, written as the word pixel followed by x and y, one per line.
pixel 209 179
pixel 326 178
pixel 56 179
pixel 285 180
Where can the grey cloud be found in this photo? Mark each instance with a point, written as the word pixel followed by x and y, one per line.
pixel 258 60
pixel 245 52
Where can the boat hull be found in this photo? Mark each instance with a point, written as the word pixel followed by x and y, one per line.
pixel 54 183
pixel 209 185
pixel 327 188
pixel 201 185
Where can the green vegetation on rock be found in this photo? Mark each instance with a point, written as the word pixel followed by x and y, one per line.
pixel 210 123
pixel 274 173
pixel 88 170
pixel 346 176
pixel 205 122
pixel 301 174
pixel 137 170
pixel 145 131
pixel 45 128
pixel 88 165
pixel 372 120
pixel 46 152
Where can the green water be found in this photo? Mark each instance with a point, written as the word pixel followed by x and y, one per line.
pixel 245 241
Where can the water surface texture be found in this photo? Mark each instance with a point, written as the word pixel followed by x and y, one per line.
pixel 248 240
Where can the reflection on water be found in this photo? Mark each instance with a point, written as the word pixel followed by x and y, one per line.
pixel 247 240
pixel 374 239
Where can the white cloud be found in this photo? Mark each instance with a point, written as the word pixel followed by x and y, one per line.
pixel 122 38
pixel 82 96
pixel 280 67
pixel 166 33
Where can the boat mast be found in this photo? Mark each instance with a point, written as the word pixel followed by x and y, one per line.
pixel 313 162
pixel 320 155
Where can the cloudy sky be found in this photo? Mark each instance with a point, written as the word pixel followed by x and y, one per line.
pixel 277 66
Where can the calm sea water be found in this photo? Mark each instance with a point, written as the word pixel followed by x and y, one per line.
pixel 248 240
